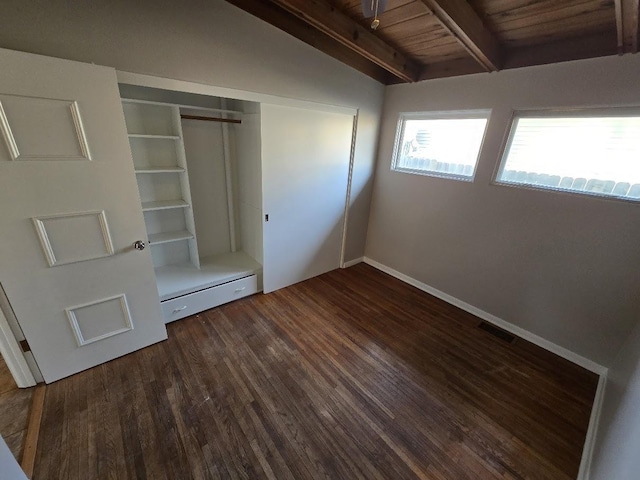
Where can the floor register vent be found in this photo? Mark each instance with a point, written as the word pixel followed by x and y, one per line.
pixel 497 332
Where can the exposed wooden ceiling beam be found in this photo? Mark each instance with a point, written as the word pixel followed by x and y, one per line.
pixel 590 46
pixel 594 45
pixel 285 21
pixel 450 68
pixel 459 18
pixel 332 22
pixel 627 12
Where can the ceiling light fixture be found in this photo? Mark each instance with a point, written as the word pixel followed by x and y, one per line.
pixel 371 8
pixel 375 22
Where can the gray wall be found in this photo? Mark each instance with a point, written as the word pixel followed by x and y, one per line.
pixel 562 266
pixel 210 42
pixel 617 450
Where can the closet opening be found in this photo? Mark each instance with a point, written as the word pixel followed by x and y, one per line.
pixel 198 168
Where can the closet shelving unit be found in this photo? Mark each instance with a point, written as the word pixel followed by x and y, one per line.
pixel 187 281
pixel 155 136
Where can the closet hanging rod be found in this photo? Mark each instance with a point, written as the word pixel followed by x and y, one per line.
pixel 210 119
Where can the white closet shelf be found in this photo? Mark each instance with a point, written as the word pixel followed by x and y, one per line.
pixel 176 280
pixel 189 107
pixel 163 205
pixel 151 136
pixel 166 237
pixel 160 170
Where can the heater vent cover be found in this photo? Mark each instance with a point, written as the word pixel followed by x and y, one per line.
pixel 497 332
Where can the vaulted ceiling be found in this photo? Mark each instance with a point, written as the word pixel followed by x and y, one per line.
pixel 423 39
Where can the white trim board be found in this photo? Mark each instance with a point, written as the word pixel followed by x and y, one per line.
pixel 13 357
pixel 509 327
pixel 143 80
pixel 584 473
pixel 353 262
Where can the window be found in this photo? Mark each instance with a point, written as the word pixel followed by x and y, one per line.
pixel 440 144
pixel 590 153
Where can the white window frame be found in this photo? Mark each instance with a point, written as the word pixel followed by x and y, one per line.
pixel 438 115
pixel 580 112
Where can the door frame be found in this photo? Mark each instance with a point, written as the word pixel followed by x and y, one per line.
pixel 13 356
pixel 142 80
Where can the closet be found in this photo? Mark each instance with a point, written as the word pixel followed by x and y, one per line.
pixel 198 170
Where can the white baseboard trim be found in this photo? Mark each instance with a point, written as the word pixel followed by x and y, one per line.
pixel 353 262
pixel 498 322
pixel 590 441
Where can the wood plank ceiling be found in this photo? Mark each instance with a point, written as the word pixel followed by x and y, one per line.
pixel 422 39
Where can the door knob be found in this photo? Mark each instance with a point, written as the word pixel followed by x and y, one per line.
pixel 139 245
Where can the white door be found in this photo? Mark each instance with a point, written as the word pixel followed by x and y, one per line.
pixel 69 215
pixel 305 169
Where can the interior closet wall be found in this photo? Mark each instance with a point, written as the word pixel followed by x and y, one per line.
pixel 204 149
pixel 209 42
pixel 249 168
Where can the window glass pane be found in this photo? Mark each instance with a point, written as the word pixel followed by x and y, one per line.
pixel 592 155
pixel 439 146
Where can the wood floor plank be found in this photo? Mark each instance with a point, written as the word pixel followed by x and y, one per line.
pixel 7 383
pixel 15 404
pixel 32 432
pixel 15 442
pixel 352 374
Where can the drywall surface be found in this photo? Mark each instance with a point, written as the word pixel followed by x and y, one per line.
pixel 618 438
pixel 209 42
pixel 562 266
pixel 204 149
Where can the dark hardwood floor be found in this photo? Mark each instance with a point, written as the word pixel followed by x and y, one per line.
pixel 7 384
pixel 14 411
pixel 349 375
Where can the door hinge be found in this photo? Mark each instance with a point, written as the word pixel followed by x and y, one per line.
pixel 25 346
pixel 266 217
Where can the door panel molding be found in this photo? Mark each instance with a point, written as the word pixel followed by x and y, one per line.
pixel 48 245
pixel 76 120
pixel 78 321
